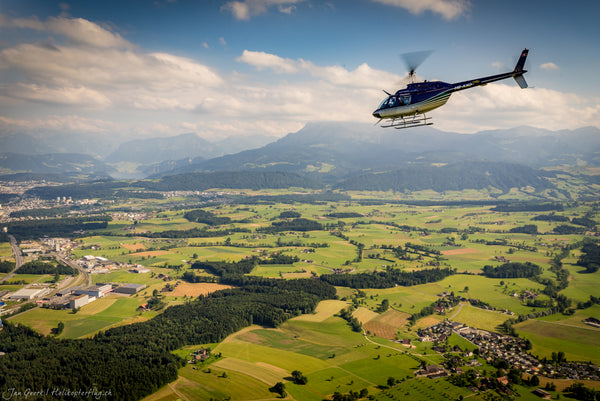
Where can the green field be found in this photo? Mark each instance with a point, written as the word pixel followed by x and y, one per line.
pixel 578 343
pixel 322 345
pixel 100 314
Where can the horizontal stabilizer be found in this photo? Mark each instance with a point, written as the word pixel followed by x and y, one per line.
pixel 521 81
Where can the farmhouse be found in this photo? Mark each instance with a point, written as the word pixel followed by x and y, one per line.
pixel 130 288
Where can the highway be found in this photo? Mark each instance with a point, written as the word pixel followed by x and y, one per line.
pixel 18 258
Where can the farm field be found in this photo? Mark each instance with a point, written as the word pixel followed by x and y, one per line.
pixel 377 238
pixel 578 343
pixel 100 314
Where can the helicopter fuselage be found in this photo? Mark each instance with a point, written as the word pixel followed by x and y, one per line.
pixel 416 98
pixel 421 97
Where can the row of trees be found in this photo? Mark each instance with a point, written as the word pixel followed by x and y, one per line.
pixel 387 278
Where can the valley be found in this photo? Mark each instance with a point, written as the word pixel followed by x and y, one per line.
pixel 346 242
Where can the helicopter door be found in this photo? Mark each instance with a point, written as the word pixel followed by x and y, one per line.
pixel 404 100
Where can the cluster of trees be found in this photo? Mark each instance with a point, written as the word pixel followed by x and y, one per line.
pixel 512 270
pixel 206 217
pixel 354 323
pixel 387 278
pixel 289 214
pixel 550 217
pixel 135 360
pixel 280 259
pixel 565 229
pixel 343 215
pixel 40 267
pixel 6 266
pixel 48 212
pixel 220 268
pixel 446 302
pixel 62 227
pixel 579 392
pixel 298 224
pixel 526 229
pixel 590 258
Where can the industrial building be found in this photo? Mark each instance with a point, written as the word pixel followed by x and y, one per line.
pixel 79 301
pixel 97 291
pixel 130 288
pixel 28 293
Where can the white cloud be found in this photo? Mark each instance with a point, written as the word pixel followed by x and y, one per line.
pixel 549 66
pixel 76 30
pixel 244 10
pixel 505 105
pixel 61 123
pixel 126 90
pixel 448 9
pixel 363 76
pixel 68 96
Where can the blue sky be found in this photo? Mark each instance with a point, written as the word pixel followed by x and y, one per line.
pixel 222 68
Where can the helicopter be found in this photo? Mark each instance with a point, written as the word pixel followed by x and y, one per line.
pixel 407 107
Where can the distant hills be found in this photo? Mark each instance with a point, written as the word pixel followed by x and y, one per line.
pixel 55 164
pixel 340 156
pixel 332 151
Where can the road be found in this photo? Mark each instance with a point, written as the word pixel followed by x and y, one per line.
pixel 18 258
pixel 81 270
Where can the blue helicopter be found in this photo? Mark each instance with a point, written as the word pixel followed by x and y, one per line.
pixel 407 107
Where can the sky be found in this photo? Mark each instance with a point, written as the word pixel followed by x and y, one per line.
pixel 133 69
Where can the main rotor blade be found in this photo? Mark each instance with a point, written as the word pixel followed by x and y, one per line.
pixel 413 60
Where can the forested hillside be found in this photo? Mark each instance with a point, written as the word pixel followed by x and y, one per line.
pixel 130 362
pixel 453 177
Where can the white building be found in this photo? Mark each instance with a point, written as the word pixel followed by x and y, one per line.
pixel 79 301
pixel 28 293
pixel 97 291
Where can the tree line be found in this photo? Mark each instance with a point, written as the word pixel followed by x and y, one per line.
pixel 387 278
pixel 59 227
pixel 40 267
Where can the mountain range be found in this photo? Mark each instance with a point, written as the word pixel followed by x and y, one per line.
pixel 343 156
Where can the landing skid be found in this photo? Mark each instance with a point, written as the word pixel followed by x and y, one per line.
pixel 409 122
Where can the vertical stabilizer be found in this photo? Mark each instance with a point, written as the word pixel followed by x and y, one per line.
pixel 521 63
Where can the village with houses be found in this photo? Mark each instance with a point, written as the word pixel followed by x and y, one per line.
pixel 491 347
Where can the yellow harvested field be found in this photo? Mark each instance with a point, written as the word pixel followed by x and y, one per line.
pixel 460 251
pixel 364 315
pixel 379 329
pixel 324 310
pixel 134 247
pixel 394 318
pixel 194 290
pixel 150 253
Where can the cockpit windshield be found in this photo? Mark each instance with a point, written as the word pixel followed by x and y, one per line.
pixel 391 101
